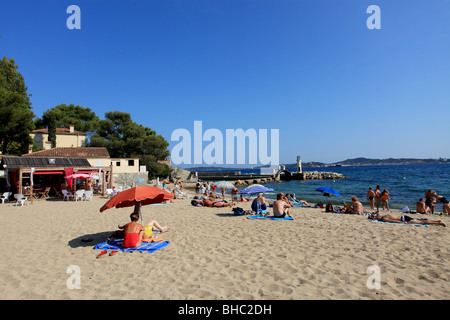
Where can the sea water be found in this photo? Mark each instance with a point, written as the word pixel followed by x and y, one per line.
pixel 406 184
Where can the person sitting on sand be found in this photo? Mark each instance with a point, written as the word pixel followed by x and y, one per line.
pixel 243 199
pixel 355 207
pixel 404 219
pixel 215 204
pixel 262 203
pixel 421 207
pixel 446 207
pixel 280 207
pixel 134 233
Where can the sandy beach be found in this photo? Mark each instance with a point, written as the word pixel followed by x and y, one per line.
pixel 215 255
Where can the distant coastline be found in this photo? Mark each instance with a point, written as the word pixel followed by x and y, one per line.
pixel 349 162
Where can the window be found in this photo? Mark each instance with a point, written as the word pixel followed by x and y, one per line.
pixel 117 163
pixel 131 163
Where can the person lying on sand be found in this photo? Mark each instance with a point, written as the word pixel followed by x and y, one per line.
pixel 404 219
pixel 134 233
pixel 215 204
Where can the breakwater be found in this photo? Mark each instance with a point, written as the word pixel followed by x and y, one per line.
pixel 252 178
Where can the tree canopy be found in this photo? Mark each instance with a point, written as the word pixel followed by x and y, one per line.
pixel 16 120
pixel 124 138
pixel 83 119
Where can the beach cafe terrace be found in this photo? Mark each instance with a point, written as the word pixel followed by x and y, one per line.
pixel 34 175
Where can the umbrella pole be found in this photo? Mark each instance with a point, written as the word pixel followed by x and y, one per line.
pixel 137 209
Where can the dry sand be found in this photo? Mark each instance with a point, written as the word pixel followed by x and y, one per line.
pixel 215 255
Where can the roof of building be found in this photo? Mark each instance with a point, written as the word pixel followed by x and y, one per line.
pixel 13 162
pixel 60 131
pixel 82 152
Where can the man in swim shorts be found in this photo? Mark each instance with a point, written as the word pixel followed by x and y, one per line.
pixel 280 207
pixel 404 219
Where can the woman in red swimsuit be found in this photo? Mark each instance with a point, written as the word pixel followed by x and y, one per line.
pixel 134 233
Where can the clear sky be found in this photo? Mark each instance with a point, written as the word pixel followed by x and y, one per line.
pixel 334 88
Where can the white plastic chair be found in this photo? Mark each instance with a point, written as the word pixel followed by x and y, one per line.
pixel 5 196
pixel 110 192
pixel 20 199
pixel 89 194
pixel 79 194
pixel 67 194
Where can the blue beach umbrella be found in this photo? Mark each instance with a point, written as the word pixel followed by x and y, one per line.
pixel 137 181
pixel 328 191
pixel 256 188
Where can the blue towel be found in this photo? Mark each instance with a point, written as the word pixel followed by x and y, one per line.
pixel 269 217
pixel 116 244
pixel 404 224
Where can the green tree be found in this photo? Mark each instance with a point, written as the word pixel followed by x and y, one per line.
pixel 50 120
pixel 62 116
pixel 125 138
pixel 16 120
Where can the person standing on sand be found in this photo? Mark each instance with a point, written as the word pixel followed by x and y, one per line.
pixel 370 198
pixel 384 199
pixel 378 196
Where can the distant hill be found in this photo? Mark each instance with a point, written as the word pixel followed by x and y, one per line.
pixel 349 162
pixel 389 161
pixel 372 162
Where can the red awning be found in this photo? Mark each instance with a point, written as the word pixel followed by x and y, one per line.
pixel 49 172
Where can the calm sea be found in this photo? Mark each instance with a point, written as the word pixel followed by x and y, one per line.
pixel 406 184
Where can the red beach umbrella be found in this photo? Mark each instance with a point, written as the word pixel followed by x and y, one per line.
pixel 136 197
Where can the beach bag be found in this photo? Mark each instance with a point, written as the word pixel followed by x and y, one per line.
pixel 329 208
pixel 238 211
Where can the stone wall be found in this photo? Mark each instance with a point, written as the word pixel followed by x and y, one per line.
pixel 317 175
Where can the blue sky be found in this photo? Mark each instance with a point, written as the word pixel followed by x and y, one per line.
pixel 312 69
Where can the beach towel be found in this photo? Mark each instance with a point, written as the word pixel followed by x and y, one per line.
pixel 269 217
pixel 403 224
pixel 116 245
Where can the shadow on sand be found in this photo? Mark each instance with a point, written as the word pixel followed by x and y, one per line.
pixel 89 240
